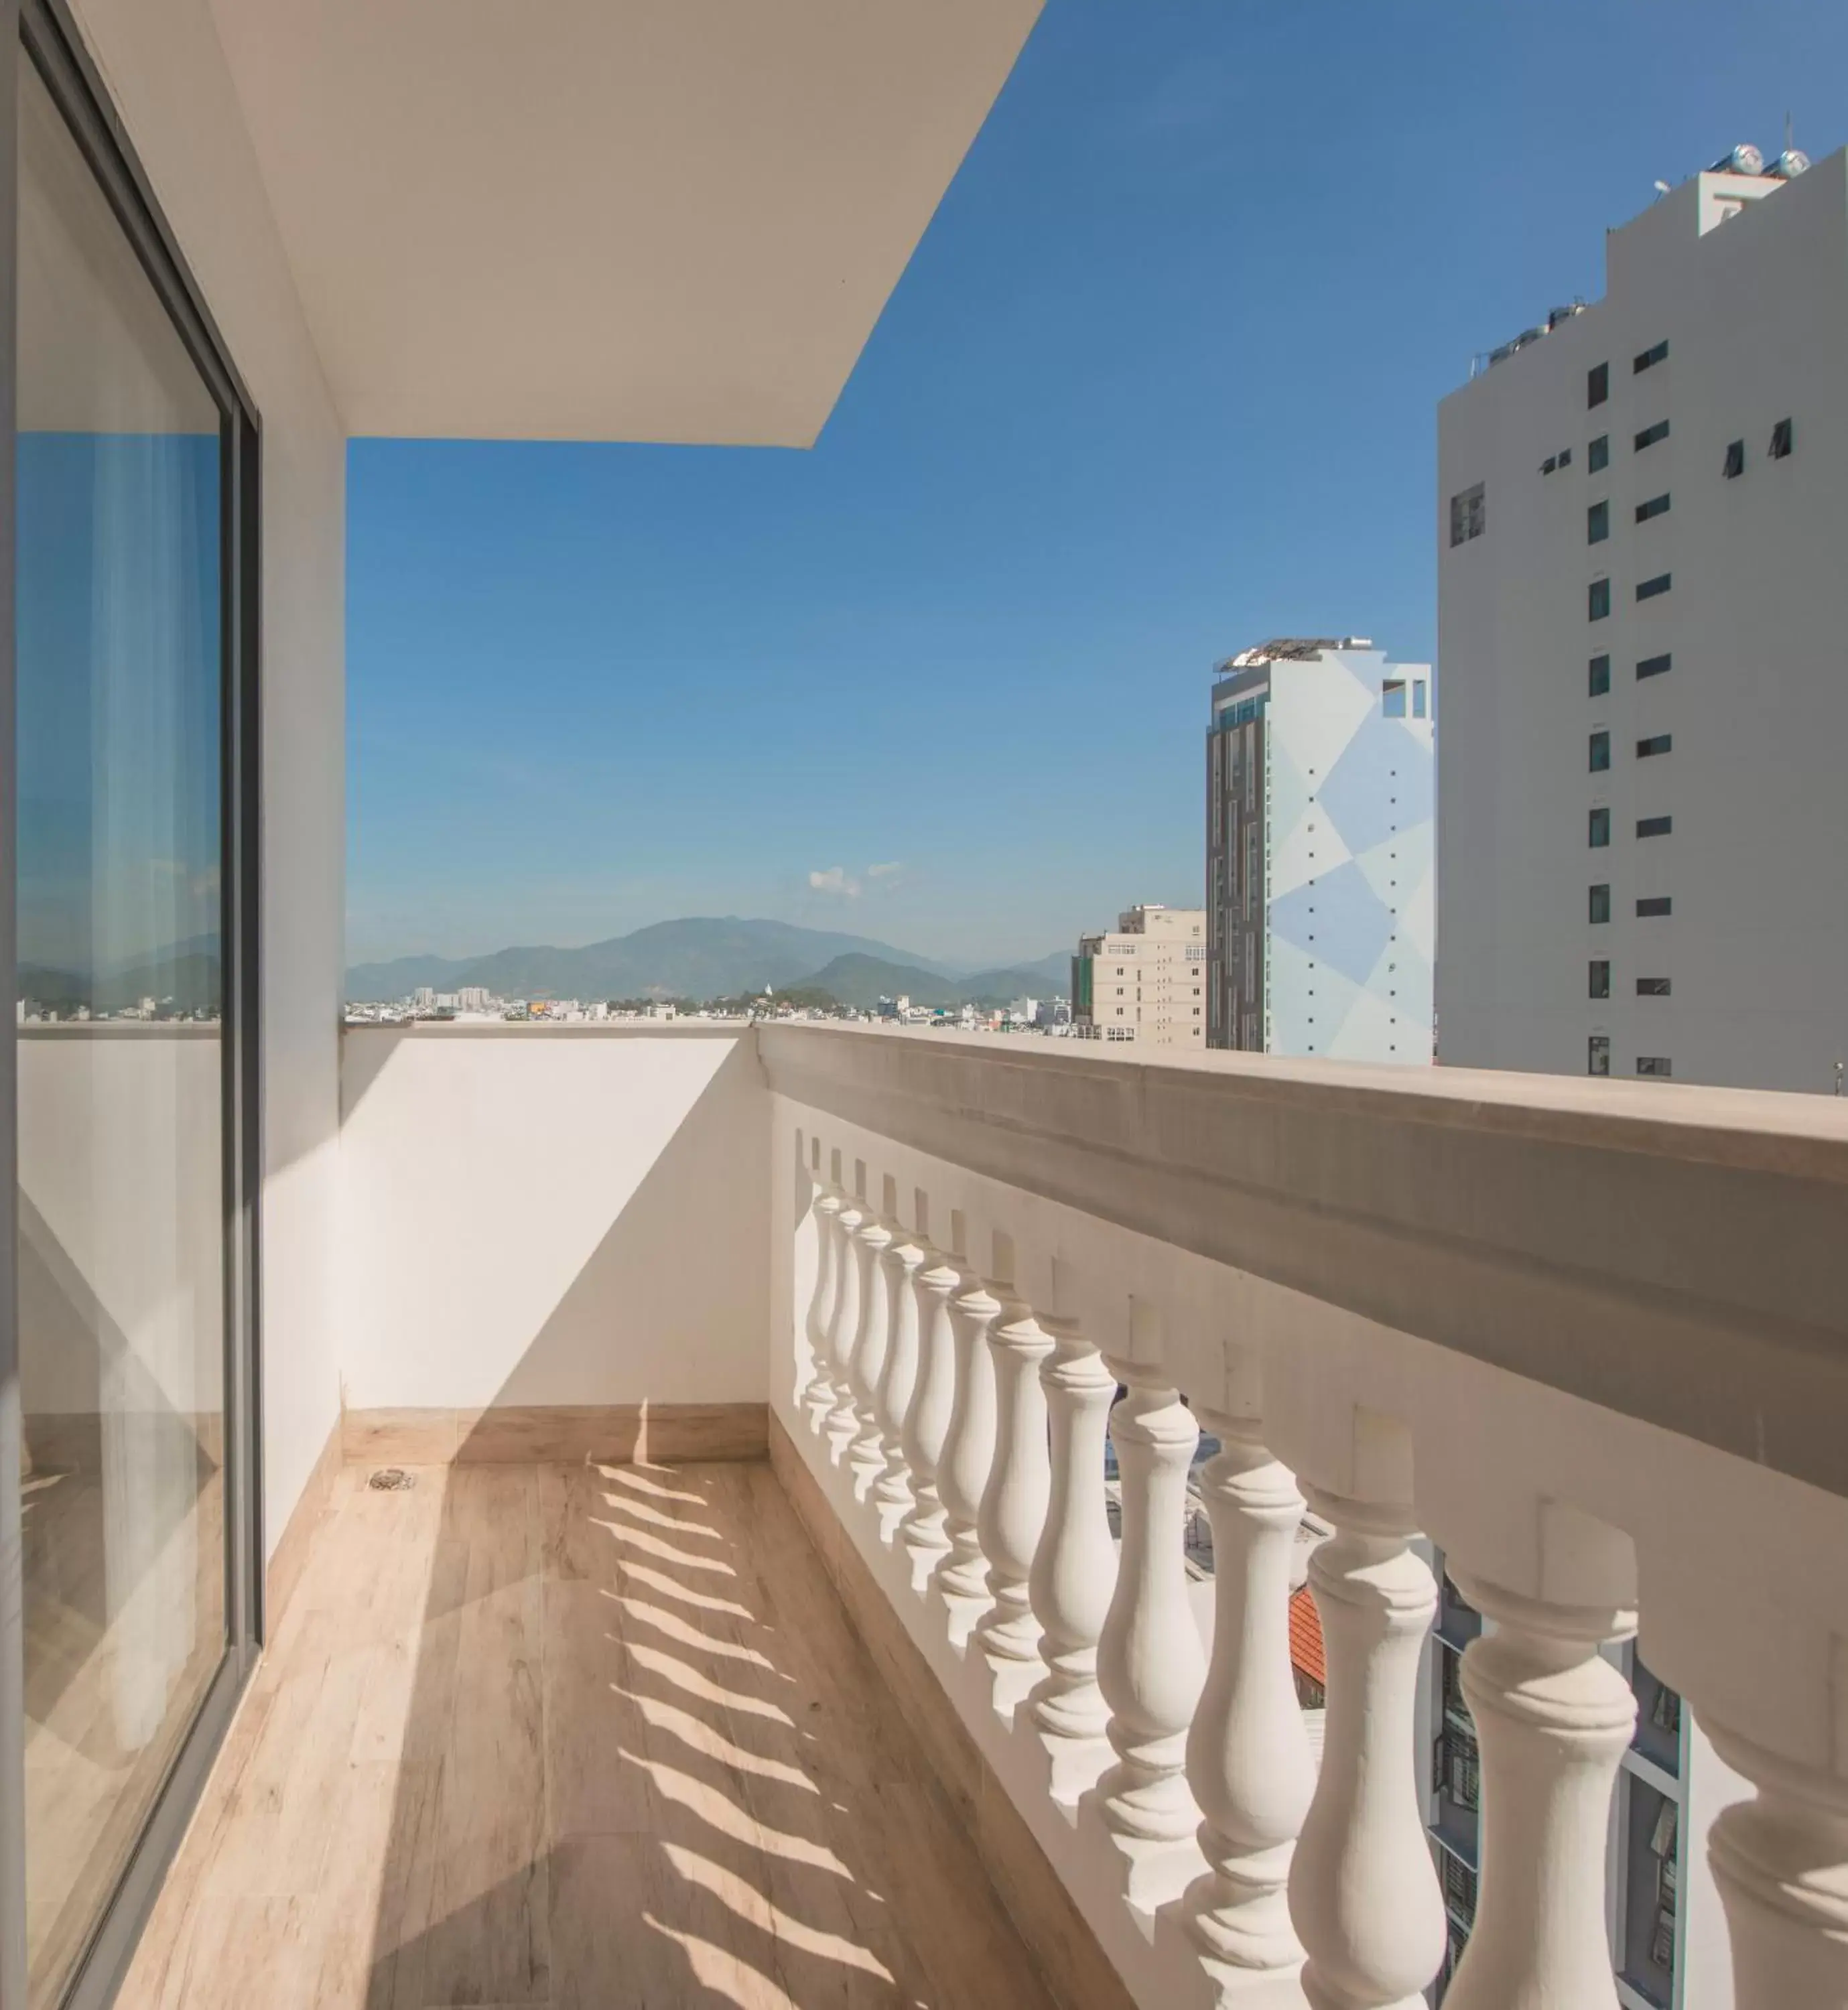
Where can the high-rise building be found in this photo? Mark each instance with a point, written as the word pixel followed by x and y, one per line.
pixel 1642 817
pixel 1146 982
pixel 1319 852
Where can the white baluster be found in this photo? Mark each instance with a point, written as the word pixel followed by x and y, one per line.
pixel 1074 1568
pixel 892 1490
pixel 933 1396
pixel 1363 1895
pixel 1149 1665
pixel 1553 1718
pixel 1013 1512
pixel 1780 1861
pixel 842 1421
pixel 865 1452
pixel 818 1397
pixel 969 1447
pixel 1248 1755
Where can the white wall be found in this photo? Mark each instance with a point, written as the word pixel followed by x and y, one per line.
pixel 540 1216
pixel 162 64
pixel 1755 312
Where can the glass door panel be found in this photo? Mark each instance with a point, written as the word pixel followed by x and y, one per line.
pixel 120 1010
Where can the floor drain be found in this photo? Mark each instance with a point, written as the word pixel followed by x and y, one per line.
pixel 391 1480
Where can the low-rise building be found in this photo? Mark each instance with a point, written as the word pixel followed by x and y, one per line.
pixel 1145 982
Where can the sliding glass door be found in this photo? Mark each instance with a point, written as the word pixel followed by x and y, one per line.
pixel 131 1034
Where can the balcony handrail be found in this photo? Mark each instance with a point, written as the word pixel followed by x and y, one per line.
pixel 1678 1254
pixel 1585 1340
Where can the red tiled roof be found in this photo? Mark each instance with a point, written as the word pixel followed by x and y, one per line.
pixel 1305 1637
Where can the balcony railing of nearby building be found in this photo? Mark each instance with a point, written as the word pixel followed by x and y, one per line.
pixel 1587 1339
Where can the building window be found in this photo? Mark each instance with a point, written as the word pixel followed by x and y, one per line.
pixel 1652 987
pixel 1550 463
pixel 1597 599
pixel 1598 455
pixel 1600 977
pixel 1600 829
pixel 1598 384
pixel 1735 465
pixel 1392 697
pixel 1654 826
pixel 1649 359
pixel 1418 709
pixel 1657 743
pixel 1599 681
pixel 1597 1054
pixel 1658 1064
pixel 1566 456
pixel 1598 523
pixel 1650 587
pixel 1600 752
pixel 1655 666
pixel 1657 506
pixel 1601 904
pixel 1467 515
pixel 1659 904
pixel 1650 435
pixel 1782 442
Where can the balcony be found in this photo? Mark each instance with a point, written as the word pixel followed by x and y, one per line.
pixel 608 1706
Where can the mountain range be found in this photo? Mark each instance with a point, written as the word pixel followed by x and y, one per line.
pixel 708 957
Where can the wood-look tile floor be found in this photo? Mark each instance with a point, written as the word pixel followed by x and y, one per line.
pixel 573 1736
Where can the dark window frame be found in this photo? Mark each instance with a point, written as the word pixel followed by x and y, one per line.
pixel 48 39
pixel 1649 436
pixel 1656 353
pixel 1598 675
pixel 1598 384
pixel 1651 589
pixel 1655 666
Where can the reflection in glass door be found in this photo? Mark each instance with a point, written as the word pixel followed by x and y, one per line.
pixel 125 1169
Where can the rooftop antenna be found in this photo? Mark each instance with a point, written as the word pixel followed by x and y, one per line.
pixel 1662 189
pixel 1789 134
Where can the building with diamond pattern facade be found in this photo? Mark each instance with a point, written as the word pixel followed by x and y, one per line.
pixel 1319 852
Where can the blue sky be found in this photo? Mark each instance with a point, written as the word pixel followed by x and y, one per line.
pixel 1160 381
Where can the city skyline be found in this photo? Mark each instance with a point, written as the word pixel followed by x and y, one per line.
pixel 1120 418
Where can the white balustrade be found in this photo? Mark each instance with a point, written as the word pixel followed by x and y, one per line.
pixel 1149 1665
pixel 818 1397
pixel 1780 1860
pixel 1363 1895
pixel 1249 1761
pixel 978 1422
pixel 1013 1508
pixel 1074 1567
pixel 903 1258
pixel 866 1449
pixel 968 1447
pixel 934 1284
pixel 842 1420
pixel 1553 1718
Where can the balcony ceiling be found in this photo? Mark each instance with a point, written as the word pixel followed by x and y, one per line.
pixel 671 220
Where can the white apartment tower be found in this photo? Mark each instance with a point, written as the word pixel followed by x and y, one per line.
pixel 1146 983
pixel 1319 905
pixel 1642 821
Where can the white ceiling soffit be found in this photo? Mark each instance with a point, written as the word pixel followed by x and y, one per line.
pixel 606 219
